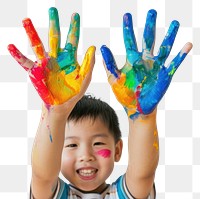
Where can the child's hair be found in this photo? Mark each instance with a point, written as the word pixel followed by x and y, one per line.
pixel 89 106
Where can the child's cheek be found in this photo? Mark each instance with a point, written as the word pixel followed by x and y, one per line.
pixel 105 153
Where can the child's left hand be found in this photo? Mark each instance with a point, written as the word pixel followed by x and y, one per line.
pixel 56 75
pixel 142 82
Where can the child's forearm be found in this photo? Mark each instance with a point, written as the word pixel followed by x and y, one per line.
pixel 143 145
pixel 48 144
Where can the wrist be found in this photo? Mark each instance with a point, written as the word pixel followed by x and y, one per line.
pixel 57 112
pixel 143 117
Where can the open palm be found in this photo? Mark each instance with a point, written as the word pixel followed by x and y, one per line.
pixel 144 79
pixel 56 75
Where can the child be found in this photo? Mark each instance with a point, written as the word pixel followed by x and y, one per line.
pixel 80 136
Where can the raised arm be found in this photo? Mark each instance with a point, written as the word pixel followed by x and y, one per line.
pixel 61 82
pixel 139 86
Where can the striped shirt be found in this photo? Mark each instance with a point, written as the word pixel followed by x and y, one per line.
pixel 117 190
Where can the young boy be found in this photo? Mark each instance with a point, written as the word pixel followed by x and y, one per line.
pixel 79 135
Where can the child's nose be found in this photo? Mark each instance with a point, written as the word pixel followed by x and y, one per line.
pixel 86 155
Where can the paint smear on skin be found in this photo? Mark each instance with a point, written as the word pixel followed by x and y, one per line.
pixel 17 55
pixel 54 42
pixel 54 85
pixel 38 75
pixel 74 30
pixel 105 153
pixel 54 32
pixel 144 79
pixel 50 135
pixel 149 31
pixel 129 36
pixel 57 77
pixel 155 144
pixel 34 39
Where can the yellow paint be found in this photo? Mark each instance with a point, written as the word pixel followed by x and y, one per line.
pixel 124 95
pixel 155 144
pixel 53 40
pixel 64 86
pixel 39 51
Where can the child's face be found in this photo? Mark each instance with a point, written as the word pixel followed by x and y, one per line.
pixel 89 154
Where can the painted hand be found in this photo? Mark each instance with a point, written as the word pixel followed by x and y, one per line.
pixel 56 75
pixel 143 80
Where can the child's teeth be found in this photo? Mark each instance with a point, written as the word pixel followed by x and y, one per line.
pixel 87 171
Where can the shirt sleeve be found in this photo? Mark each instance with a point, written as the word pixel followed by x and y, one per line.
pixel 124 193
pixel 61 191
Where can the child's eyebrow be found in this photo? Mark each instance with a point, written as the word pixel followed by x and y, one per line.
pixel 71 137
pixel 94 136
pixel 100 135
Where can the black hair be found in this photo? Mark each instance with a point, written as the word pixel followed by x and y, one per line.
pixel 89 106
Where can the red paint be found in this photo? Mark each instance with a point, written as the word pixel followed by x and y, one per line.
pixel 34 38
pixel 31 32
pixel 14 51
pixel 38 76
pixel 77 77
pixel 137 93
pixel 17 55
pixel 104 153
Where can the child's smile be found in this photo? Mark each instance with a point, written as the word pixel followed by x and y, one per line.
pixel 87 173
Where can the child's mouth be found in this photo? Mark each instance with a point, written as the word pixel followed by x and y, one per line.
pixel 87 174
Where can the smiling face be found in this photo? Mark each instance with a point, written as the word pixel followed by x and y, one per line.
pixel 89 154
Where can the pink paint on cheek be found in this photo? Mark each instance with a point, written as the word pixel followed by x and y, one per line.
pixel 104 153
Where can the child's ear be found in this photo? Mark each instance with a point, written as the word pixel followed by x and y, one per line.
pixel 118 150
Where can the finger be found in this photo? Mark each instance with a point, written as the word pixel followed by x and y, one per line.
pixel 54 32
pixel 175 63
pixel 168 41
pixel 26 63
pixel 36 43
pixel 128 32
pixel 149 32
pixel 111 67
pixel 74 31
pixel 88 62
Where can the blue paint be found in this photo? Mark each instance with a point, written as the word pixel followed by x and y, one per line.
pixel 109 60
pixel 67 56
pixel 50 137
pixel 149 31
pixel 143 70
pixel 129 36
pixel 66 59
pixel 168 41
pixel 176 63
pixel 129 39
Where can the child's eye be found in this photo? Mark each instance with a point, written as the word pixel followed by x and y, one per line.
pixel 99 143
pixel 71 145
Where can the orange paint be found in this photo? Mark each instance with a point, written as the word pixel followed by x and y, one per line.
pixel 34 38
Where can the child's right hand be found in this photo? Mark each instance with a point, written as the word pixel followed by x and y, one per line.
pixel 56 75
pixel 143 80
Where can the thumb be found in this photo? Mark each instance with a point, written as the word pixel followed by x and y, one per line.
pixel 88 62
